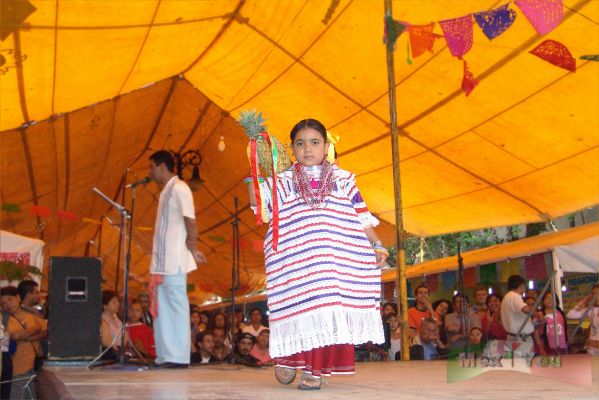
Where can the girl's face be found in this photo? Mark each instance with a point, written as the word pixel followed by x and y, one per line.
pixel 393 323
pixel 112 306
pixel 195 319
pixel 494 304
pixel 548 301
pixel 475 336
pixel 204 319
pixel 219 320
pixel 309 147
pixel 442 309
pixel 388 310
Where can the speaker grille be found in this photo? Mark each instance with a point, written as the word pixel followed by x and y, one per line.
pixel 75 308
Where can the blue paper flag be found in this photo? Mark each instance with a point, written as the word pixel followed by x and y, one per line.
pixel 449 280
pixel 495 22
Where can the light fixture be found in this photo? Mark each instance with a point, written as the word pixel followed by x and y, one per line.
pixel 193 159
pixel 531 285
pixel 490 290
pixel 564 288
pixel 221 144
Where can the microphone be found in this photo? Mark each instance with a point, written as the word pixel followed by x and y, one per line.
pixel 143 181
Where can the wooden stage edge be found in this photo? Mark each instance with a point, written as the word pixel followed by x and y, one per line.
pixel 375 380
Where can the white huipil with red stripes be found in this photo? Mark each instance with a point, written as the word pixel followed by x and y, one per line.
pixel 323 282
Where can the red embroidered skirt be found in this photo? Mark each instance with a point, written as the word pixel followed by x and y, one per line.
pixel 327 360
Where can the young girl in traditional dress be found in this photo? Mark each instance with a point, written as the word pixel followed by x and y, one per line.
pixel 323 261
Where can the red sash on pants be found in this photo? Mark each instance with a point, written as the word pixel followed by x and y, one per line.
pixel 327 360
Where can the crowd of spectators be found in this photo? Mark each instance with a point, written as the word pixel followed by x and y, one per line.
pixel 217 337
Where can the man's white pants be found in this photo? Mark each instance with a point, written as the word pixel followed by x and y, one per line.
pixel 172 327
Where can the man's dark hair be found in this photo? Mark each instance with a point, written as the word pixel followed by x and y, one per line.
pixel 460 295
pixel 480 287
pixel 256 309
pixel 25 287
pixel 422 285
pixel 9 291
pixel 164 157
pixel 514 282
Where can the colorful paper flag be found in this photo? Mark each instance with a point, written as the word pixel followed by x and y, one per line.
pixel 555 53
pixel 39 211
pixel 432 282
pixel 68 215
pixel 218 239
pixel 469 277
pixel 422 38
pixel 449 280
pixel 257 245
pixel 488 274
pixel 393 29
pixel 534 267
pixel 191 287
pixel 543 15
pixel 469 82
pixel 509 268
pixel 458 34
pixel 493 23
pixel 388 290
pixel 11 207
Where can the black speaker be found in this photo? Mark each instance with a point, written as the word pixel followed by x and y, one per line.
pixel 75 308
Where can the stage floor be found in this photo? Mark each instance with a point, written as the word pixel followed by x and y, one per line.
pixel 382 380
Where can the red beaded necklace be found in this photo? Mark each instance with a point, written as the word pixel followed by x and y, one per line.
pixel 313 196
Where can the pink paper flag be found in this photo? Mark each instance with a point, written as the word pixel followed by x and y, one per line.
pixel 535 267
pixel 432 282
pixel 543 15
pixel 458 34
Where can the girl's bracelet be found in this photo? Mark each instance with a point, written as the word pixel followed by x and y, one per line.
pixel 249 179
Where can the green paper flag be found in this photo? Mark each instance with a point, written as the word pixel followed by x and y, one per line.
pixel 11 207
pixel 215 238
pixel 488 274
pixel 191 287
pixel 509 268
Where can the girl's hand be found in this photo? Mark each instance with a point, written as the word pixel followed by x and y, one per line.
pixel 381 258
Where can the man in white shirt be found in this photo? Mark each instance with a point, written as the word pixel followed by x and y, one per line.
pixel 174 255
pixel 514 315
pixel 255 326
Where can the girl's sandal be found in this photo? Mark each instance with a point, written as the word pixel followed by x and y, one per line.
pixel 309 384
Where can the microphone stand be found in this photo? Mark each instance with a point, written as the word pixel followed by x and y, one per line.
pixel 125 215
pixel 463 304
pixel 234 277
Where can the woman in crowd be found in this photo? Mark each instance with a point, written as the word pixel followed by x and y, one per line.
pixel 592 343
pixel 111 324
pixel 548 333
pixel 388 309
pixel 26 330
pixel 457 334
pixel 260 349
pixel 442 307
pixel 394 343
pixel 492 327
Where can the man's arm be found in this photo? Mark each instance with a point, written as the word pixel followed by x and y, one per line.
pixel 192 240
pixel 24 334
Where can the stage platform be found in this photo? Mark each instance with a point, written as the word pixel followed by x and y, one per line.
pixel 376 380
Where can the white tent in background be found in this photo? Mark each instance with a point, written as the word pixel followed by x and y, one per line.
pixel 21 249
pixel 579 257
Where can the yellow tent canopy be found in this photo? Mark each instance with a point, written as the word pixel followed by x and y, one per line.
pixel 91 88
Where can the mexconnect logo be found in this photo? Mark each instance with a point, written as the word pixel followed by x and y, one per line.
pixel 500 355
